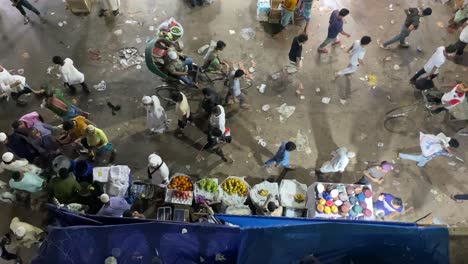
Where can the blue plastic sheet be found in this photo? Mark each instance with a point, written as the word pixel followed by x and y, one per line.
pixel 90 239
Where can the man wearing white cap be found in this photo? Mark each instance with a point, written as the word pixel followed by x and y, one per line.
pixel 156 118
pixel 113 206
pixel 179 68
pixel 20 145
pixel 339 161
pixel 22 165
pixel 14 85
pixel 26 234
pixel 158 171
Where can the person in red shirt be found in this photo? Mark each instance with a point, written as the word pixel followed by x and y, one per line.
pixel 449 99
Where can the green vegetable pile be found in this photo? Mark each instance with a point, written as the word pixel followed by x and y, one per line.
pixel 208 185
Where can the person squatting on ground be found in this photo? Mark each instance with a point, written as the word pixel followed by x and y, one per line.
pixel 335 27
pixel 70 74
pixel 357 52
pixel 211 61
pixel 413 15
pixel 376 173
pixel 340 159
pixel 295 53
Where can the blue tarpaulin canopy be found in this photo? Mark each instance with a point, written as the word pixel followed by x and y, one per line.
pixel 90 239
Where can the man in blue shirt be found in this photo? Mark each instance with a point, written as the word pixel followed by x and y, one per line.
pixel 388 205
pixel 335 28
pixel 113 206
pixel 281 157
pixel 235 89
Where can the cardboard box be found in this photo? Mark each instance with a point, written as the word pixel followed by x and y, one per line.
pixel 80 6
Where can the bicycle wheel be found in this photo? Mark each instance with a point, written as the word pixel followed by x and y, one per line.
pixel 164 92
pixel 402 111
pixel 400 124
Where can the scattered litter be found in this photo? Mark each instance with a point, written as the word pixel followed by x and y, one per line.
pixel 438 196
pixel 266 107
pixel 390 8
pixel 362 79
pixel 187 167
pixel 419 49
pixel 52 13
pixel 285 111
pixel 372 80
pixel 203 49
pixel 49 69
pixel 90 100
pixel 395 183
pixel 342 101
pixel 326 100
pixel 138 40
pixel 64 22
pixel 291 69
pixel 451 163
pixel 362 136
pixel 440 24
pixel 118 32
pixel 262 88
pixel 100 86
pixel 251 69
pixel 138 67
pixel 94 54
pixel 60 24
pixel 302 142
pixel 219 257
pixel 388 58
pixel 262 142
pixel 20 71
pixel 131 22
pixel 195 38
pixel 392 21
pixel 396 67
pixel 302 97
pixel 317 90
pixel 129 57
pixel 247 33
pixel 381 27
pixel 275 76
pixel 380 144
pixel 25 55
pixel 151 28
pixel 184 231
pixel 232 32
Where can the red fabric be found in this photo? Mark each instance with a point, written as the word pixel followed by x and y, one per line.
pixel 454 101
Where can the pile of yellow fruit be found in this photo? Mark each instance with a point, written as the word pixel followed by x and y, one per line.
pixel 235 186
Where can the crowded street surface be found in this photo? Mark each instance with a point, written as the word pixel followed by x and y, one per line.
pixel 179 110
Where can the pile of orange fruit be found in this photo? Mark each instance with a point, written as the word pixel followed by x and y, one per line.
pixel 181 183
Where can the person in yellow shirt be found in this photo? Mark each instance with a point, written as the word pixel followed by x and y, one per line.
pixel 96 141
pixel 26 234
pixel 289 6
pixel 182 110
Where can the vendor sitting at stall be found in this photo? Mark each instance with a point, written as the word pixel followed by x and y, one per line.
pixel 179 68
pixel 270 208
pixel 212 62
pixel 388 206
pixel 113 206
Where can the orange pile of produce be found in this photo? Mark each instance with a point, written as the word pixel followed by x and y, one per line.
pixel 181 183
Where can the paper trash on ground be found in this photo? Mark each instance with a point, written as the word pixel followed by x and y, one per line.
pixel 100 86
pixel 285 111
pixel 326 100
pixel 248 33
pixel 232 32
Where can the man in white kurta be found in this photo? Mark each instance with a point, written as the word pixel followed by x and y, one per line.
pixel 21 165
pixel 13 85
pixel 70 74
pixel 156 118
pixel 158 171
pixel 339 161
pixel 112 5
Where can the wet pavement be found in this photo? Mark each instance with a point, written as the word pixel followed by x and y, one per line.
pixel 354 118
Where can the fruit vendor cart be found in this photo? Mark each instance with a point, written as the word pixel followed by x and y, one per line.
pixel 292 196
pixel 259 192
pixel 340 201
pixel 234 191
pixel 179 194
pixel 208 190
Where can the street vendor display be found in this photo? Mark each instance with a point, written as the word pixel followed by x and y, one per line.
pixel 234 191
pixel 116 179
pixel 293 194
pixel 208 188
pixel 259 192
pixel 179 190
pixel 340 201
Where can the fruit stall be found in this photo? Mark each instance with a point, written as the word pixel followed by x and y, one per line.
pixel 259 192
pixel 208 190
pixel 293 198
pixel 234 191
pixel 340 201
pixel 179 190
